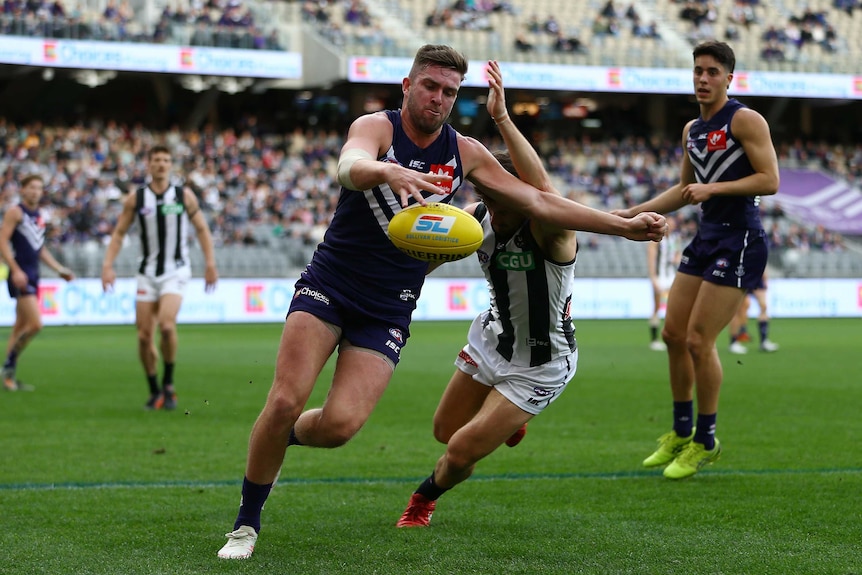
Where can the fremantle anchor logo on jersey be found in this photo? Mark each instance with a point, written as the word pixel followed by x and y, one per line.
pixel 443 170
pixel 716 140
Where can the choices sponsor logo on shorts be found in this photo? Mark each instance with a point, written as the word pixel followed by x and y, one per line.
pixel 312 293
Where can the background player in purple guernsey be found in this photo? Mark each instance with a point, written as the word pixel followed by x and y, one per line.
pixel 731 161
pixel 22 239
pixel 359 291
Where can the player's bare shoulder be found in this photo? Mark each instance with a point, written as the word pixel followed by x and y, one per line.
pixel 749 124
pixel 370 130
pixel 473 153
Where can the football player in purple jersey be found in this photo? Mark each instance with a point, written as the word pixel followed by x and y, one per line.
pixel 730 162
pixel 364 289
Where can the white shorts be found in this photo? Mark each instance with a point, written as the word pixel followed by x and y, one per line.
pixel 150 289
pixel 530 388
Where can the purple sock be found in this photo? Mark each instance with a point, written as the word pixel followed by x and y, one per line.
pixel 683 413
pixel 253 498
pixel 705 433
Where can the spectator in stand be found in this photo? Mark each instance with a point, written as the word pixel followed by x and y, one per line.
pixel 522 44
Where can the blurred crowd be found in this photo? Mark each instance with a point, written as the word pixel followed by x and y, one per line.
pixel 222 23
pixel 256 186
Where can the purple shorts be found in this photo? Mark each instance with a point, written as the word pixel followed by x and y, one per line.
pixel 737 258
pixel 383 335
pixel 31 289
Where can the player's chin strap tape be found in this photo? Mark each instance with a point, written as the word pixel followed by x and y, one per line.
pixel 345 163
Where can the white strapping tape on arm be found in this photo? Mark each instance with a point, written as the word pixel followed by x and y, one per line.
pixel 345 163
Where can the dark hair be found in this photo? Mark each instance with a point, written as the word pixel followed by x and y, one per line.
pixel 438 55
pixel 30 178
pixel 722 53
pixel 158 149
pixel 505 160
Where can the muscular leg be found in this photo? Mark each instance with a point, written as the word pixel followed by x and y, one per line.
pixel 166 319
pixel 760 296
pixel 739 319
pixel 461 401
pixel 680 302
pixel 360 379
pixel 28 324
pixel 306 344
pixel 713 308
pixel 495 422
pixel 145 322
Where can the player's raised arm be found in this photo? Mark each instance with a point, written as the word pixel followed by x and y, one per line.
pixel 527 162
pixel 358 169
pixel 485 171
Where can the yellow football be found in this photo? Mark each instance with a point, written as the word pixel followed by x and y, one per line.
pixel 435 233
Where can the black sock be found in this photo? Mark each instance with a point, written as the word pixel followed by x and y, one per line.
pixel 253 498
pixel 683 413
pixel 431 490
pixel 11 360
pixel 653 332
pixel 763 326
pixel 293 440
pixel 168 377
pixel 153 382
pixel 705 432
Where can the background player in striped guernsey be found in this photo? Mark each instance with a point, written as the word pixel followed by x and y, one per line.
pixel 22 246
pixel 359 291
pixel 521 353
pixel 730 162
pixel 662 259
pixel 162 210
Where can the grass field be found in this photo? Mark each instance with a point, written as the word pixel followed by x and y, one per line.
pixel 90 483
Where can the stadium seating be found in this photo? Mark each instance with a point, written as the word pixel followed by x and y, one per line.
pixel 400 26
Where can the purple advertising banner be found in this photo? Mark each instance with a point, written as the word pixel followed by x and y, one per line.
pixel 816 198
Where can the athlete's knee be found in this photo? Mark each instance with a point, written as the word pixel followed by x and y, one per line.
pixel 672 337
pixel 698 347
pixel 283 407
pixel 443 432
pixel 33 328
pixel 167 327
pixel 459 456
pixel 335 430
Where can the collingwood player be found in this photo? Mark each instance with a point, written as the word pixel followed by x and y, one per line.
pixel 162 210
pixel 662 260
pixel 521 352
